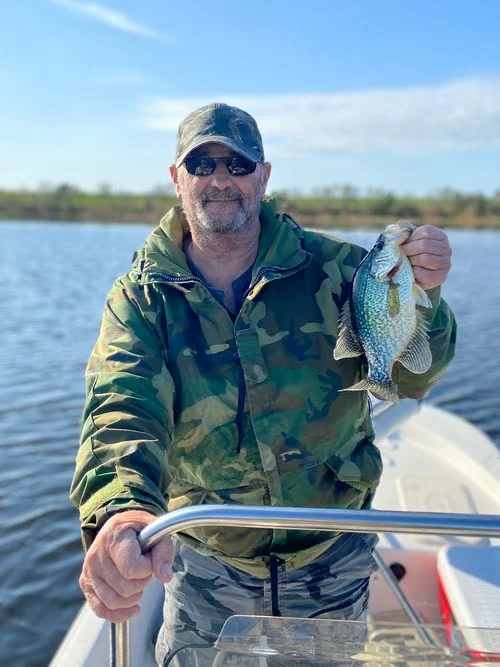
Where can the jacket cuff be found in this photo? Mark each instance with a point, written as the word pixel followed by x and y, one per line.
pixel 434 295
pixel 91 525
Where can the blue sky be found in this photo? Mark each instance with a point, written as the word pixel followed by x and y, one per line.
pixel 376 93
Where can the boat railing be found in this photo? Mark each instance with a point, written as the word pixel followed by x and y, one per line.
pixel 292 518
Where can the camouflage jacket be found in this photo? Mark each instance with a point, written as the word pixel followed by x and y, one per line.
pixel 186 406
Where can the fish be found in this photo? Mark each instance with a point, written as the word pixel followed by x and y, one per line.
pixel 383 318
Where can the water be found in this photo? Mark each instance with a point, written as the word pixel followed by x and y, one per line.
pixel 54 279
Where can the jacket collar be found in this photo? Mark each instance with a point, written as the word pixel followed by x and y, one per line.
pixel 280 244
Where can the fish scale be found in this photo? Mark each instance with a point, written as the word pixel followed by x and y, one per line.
pixel 380 341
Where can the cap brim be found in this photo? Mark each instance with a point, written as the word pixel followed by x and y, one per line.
pixel 255 156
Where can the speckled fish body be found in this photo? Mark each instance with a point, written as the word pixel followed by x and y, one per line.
pixel 381 320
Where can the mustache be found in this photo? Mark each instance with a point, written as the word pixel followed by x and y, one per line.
pixel 220 195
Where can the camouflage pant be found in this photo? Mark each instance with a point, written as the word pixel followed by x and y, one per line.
pixel 205 592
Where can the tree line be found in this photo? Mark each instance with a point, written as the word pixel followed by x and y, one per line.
pixel 336 205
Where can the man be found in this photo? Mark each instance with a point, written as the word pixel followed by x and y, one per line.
pixel 213 381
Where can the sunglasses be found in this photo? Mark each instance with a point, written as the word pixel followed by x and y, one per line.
pixel 205 166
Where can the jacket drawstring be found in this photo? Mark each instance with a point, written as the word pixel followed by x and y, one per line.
pixel 274 563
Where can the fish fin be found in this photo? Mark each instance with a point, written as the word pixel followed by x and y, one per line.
pixel 393 301
pixel 421 298
pixel 348 344
pixel 387 391
pixel 417 356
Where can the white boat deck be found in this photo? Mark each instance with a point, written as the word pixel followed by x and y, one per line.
pixel 438 462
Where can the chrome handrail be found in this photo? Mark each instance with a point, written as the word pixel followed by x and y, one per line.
pixel 307 518
pixel 292 518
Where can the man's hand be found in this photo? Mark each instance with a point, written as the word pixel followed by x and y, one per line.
pixel 115 572
pixel 429 252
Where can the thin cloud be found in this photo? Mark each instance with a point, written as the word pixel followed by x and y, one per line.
pixel 123 77
pixel 112 18
pixel 448 117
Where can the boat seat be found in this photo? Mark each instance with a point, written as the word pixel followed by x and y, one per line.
pixel 469 587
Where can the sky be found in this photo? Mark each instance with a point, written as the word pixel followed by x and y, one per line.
pixel 387 94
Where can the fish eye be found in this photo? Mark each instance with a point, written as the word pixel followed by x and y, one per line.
pixel 379 245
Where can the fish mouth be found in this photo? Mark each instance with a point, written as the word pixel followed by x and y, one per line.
pixel 397 234
pixel 398 237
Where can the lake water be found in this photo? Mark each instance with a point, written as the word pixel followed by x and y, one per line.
pixel 53 283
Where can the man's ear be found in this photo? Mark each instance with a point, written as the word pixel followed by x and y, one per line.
pixel 267 173
pixel 174 175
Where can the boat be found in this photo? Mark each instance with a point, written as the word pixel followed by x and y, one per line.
pixel 435 599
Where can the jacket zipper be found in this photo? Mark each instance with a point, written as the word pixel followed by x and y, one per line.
pixel 242 385
pixel 261 273
pixel 242 392
pixel 173 279
pixel 182 279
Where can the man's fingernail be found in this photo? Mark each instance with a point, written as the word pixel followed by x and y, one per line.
pixel 166 570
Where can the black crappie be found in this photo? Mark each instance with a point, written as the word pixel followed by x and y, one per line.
pixel 381 319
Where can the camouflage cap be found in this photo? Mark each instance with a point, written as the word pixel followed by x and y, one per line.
pixel 221 124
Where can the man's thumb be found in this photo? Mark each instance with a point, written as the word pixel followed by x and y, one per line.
pixel 162 556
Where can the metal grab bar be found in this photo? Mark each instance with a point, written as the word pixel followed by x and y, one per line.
pixel 293 518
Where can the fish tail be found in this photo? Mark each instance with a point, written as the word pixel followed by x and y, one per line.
pixel 386 390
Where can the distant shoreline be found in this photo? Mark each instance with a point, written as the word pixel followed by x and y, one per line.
pixel 335 207
pixel 334 223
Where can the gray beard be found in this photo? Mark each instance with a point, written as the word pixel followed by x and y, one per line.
pixel 209 223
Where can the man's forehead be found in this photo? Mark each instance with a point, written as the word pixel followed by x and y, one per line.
pixel 212 150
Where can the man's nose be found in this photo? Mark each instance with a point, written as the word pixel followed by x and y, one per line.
pixel 221 178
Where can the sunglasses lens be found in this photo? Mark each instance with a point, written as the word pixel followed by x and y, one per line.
pixel 200 166
pixel 205 166
pixel 240 166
